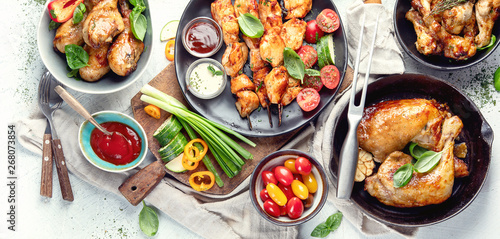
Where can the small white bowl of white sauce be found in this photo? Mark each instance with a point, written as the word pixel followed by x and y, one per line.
pixel 206 78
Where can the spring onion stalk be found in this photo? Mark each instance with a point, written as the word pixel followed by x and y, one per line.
pixel 205 159
pixel 153 92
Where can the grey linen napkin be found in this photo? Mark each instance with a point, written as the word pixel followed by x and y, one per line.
pixel 233 215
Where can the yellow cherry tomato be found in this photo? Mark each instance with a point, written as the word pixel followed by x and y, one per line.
pixel 300 190
pixel 276 194
pixel 310 182
pixel 169 50
pixel 290 164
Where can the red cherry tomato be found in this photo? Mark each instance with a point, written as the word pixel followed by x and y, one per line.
pixel 312 82
pixel 276 194
pixel 294 208
pixel 309 201
pixel 283 175
pixel 290 164
pixel 328 21
pixel 272 208
pixel 264 195
pixel 268 177
pixel 310 181
pixel 303 165
pixel 313 32
pixel 287 190
pixel 297 177
pixel 308 99
pixel 300 190
pixel 283 210
pixel 330 76
pixel 308 55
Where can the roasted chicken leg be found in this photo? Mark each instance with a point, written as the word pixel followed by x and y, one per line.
pixel 102 24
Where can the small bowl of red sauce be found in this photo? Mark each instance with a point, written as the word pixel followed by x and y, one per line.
pixel 125 149
pixel 202 37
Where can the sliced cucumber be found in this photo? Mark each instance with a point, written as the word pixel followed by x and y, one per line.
pixel 168 130
pixel 175 165
pixel 173 148
pixel 322 48
pixel 172 154
pixel 330 50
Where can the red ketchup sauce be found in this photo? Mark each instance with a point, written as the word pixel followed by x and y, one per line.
pixel 116 149
pixel 202 37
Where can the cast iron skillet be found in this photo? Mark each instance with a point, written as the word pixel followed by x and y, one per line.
pixel 476 132
pixel 407 38
pixel 222 109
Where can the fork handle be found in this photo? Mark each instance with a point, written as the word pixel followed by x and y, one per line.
pixel 46 180
pixel 62 170
pixel 348 162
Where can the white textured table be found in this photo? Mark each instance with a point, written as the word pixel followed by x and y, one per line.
pixel 96 213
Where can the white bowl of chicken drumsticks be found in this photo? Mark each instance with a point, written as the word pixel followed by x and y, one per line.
pixel 93 54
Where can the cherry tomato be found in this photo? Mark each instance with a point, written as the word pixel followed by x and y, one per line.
pixel 276 194
pixel 294 208
pixel 272 208
pixel 308 55
pixel 283 175
pixel 313 32
pixel 328 21
pixel 308 99
pixel 303 165
pixel 310 182
pixel 309 201
pixel 264 195
pixel 299 189
pixel 297 177
pixel 312 82
pixel 290 164
pixel 283 210
pixel 268 177
pixel 330 76
pixel 287 190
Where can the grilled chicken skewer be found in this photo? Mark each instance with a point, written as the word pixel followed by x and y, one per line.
pixel 247 99
pixel 276 84
pixel 261 90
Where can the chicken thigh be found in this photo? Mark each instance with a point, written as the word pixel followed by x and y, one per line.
pixel 272 46
pixel 293 32
pixel 103 23
pixel 234 58
pixel 223 13
pixel 297 8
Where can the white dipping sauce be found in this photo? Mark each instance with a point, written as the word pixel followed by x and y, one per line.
pixel 203 81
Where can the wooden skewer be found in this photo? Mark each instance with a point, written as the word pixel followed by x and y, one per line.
pixel 249 122
pixel 280 112
pixel 269 115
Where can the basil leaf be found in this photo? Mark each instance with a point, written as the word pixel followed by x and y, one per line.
pixel 428 161
pixel 321 231
pixel 53 25
pixel 148 220
pixel 333 221
pixel 493 39
pixel 250 25
pixel 403 175
pixel 416 151
pixel 293 63
pixel 76 56
pixel 138 23
pixel 312 72
pixel 78 13
pixel 138 3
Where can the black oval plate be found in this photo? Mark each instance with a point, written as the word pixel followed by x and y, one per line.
pixel 476 132
pixel 222 109
pixel 407 37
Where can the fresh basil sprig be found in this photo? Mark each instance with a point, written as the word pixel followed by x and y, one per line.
pixel 312 72
pixel 214 72
pixel 331 224
pixel 148 220
pixel 53 25
pixel 138 22
pixel 416 151
pixel 294 65
pixel 250 25
pixel 76 56
pixel 78 13
pixel 403 175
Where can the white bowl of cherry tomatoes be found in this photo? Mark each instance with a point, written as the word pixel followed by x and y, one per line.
pixel 288 187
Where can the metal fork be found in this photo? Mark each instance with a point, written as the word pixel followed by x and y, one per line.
pixel 48 103
pixel 349 152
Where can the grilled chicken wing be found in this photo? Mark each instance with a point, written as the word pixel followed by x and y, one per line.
pixel 455 19
pixel 432 187
pixel 297 8
pixel 126 49
pixel 102 24
pixel 272 46
pixel 234 58
pixel 390 125
pixel 427 41
pixel 223 13
pixel 270 13
pixel 98 63
pixel 293 32
pixel 246 6
pixel 247 101
pixel 487 12
pixel 260 86
pixel 276 83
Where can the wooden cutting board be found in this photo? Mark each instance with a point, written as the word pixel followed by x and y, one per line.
pixel 166 81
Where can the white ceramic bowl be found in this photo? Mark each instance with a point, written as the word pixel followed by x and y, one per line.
pixel 198 94
pixel 57 66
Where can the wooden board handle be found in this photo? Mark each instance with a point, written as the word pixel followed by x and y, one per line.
pixel 62 170
pixel 139 185
pixel 46 181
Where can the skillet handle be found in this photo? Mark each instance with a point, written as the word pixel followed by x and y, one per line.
pixel 139 185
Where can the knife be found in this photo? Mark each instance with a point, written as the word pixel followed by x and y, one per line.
pixel 62 170
pixel 46 180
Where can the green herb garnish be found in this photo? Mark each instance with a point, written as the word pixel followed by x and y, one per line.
pixel 445 5
pixel 78 13
pixel 331 224
pixel 138 22
pixel 496 79
pixel 260 85
pixel 53 25
pixel 250 25
pixel 148 220
pixel 403 175
pixel 312 72
pixel 493 39
pixel 293 63
pixel 214 72
pixel 76 56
